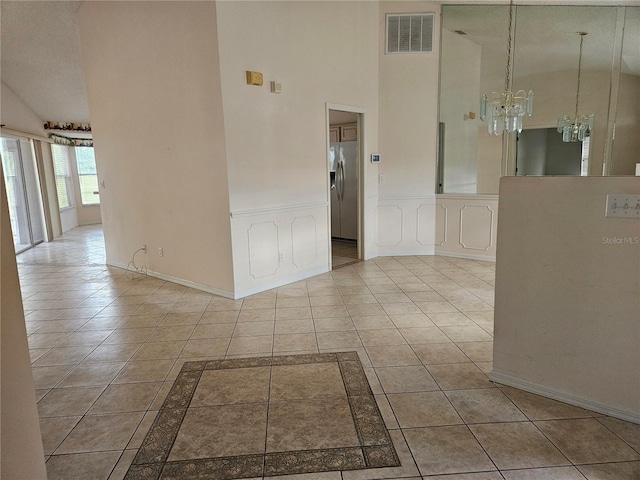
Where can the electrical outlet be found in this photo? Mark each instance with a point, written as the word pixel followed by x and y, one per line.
pixel 281 256
pixel 160 252
pixel 622 205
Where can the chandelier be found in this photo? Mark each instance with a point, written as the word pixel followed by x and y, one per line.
pixel 505 110
pixel 578 127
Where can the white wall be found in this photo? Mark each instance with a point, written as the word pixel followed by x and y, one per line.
pixel 21 453
pixel 153 79
pixel 568 293
pixel 15 114
pixel 405 214
pixel 322 54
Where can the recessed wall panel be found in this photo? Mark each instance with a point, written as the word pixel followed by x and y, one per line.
pixel 264 255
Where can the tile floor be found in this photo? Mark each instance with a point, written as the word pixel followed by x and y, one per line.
pixel 106 349
pixel 343 253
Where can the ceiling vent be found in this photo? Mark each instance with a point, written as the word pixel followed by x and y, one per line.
pixel 410 33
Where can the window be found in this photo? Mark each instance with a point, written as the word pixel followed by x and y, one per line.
pixel 63 176
pixel 88 176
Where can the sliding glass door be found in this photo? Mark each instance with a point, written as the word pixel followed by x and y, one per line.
pixel 23 193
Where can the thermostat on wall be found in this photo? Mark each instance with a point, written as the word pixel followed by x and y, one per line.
pixel 375 158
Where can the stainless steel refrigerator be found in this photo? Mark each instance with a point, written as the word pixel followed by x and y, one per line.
pixel 343 158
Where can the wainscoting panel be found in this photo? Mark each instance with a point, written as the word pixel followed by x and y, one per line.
pixel 467 228
pixel 406 225
pixel 274 247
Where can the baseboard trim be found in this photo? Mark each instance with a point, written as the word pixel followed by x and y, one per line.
pixel 468 256
pixel 280 283
pixel 180 281
pixel 531 387
pixel 405 253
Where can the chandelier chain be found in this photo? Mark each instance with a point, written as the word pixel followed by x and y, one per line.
pixel 507 86
pixel 582 34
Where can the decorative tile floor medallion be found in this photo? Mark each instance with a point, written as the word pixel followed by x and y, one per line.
pixel 266 416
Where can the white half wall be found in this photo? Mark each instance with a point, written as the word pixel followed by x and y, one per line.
pixel 466 226
pixel 567 310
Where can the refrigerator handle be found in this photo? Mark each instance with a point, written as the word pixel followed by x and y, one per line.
pixel 341 180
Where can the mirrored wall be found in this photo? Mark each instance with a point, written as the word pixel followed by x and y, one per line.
pixel 545 57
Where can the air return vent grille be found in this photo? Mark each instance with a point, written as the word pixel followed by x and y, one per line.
pixel 410 33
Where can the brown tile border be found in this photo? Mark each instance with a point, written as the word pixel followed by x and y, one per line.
pixel 376 448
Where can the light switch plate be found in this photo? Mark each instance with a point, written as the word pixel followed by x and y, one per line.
pixel 622 205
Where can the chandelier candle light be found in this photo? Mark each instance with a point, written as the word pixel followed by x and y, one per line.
pixel 578 127
pixel 505 111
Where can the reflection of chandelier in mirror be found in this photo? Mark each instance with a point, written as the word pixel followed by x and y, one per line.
pixel 577 127
pixel 505 111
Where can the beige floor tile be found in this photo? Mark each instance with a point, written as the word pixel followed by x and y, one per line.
pixel 392 356
pixel 129 335
pixel 390 298
pixel 293 313
pixel 221 431
pixel 203 347
pixel 233 386
pixel 469 476
pixel 337 324
pixel 54 430
pixel 143 321
pixel 550 473
pixel 518 445
pixel 419 336
pixel 257 315
pixel 467 333
pixel 257 344
pixel 359 299
pixel 477 351
pixel 627 431
pixel 405 379
pixel 145 371
pixel 181 318
pixel 94 466
pixel 459 376
pixel 338 340
pixel 611 471
pixel 259 303
pixel 430 307
pixel 86 338
pixel 92 374
pixel 143 428
pixel 423 409
pixel 56 326
pixel 170 334
pixel 66 402
pixel 294 326
pixel 225 316
pixel 287 301
pixel 411 320
pixel 310 424
pixel 99 433
pixel 448 319
pixel 586 440
pixel 159 350
pixel 401 308
pixel 387 336
pixel 326 300
pixel 329 311
pixel 291 342
pixel 447 450
pixel 440 353
pixel 366 309
pixel 42 340
pixel 306 381
pixel 49 377
pixel 112 353
pixel 251 329
pixel 64 356
pixel 213 330
pixel 372 322
pixel 484 406
pixel 540 408
pixel 129 397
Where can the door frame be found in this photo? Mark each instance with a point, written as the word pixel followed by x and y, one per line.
pixel 361 174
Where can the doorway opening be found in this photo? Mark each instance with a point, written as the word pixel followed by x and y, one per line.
pixel 344 186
